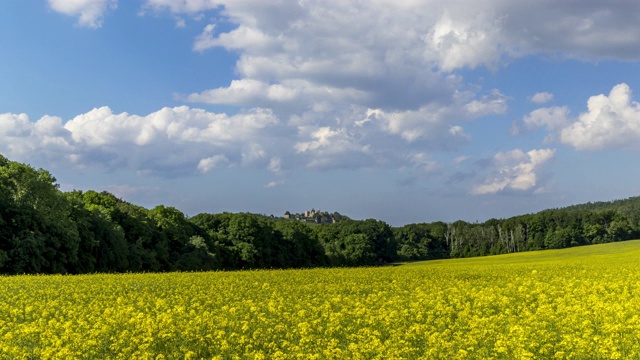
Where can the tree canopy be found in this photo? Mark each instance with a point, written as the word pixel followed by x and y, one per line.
pixel 46 230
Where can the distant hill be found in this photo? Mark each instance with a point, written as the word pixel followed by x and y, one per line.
pixel 628 205
pixel 628 208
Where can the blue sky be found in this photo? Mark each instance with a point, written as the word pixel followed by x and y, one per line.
pixel 412 111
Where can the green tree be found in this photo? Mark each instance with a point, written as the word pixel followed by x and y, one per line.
pixel 297 245
pixel 175 228
pixel 196 255
pixel 252 238
pixel 39 234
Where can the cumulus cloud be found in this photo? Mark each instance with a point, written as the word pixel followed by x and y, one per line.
pixel 495 103
pixel 432 124
pixel 312 62
pixel 240 38
pixel 465 40
pixel 610 121
pixel 101 126
pixel 335 84
pixel 251 91
pixel 319 59
pixel 212 162
pixel 168 142
pixel 346 75
pixel 22 139
pixel 14 125
pixel 328 147
pixel 90 13
pixel 553 119
pixel 541 97
pixel 452 35
pixel 181 141
pixel 514 170
pixel 424 124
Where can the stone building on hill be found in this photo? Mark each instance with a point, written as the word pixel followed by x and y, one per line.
pixel 315 216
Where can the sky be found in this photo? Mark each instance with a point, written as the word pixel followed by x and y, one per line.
pixel 403 111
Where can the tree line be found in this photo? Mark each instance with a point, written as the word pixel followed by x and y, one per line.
pixel 46 230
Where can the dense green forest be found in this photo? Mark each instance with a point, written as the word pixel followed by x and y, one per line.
pixel 45 230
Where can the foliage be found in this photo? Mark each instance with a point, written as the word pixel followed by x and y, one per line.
pixel 356 243
pixel 421 241
pixel 38 234
pixel 44 230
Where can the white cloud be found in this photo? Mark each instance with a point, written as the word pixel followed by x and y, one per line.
pixel 551 118
pixel 241 38
pixel 397 56
pixel 90 13
pixel 273 184
pixel 253 153
pixel 326 57
pixel 451 35
pixel 205 40
pixel 515 129
pixel 610 121
pixel 309 70
pixel 495 103
pixel 22 139
pixel 430 125
pixel 212 162
pixel 329 148
pixel 169 142
pixel 514 170
pixel 181 141
pixel 100 127
pixel 322 138
pixel 245 91
pixel 541 97
pixel 466 41
pixel 14 125
pixel 318 65
pixel 424 161
pixel 183 6
pixel 460 159
pixel 275 165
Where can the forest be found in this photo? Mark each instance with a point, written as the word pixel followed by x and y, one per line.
pixel 46 230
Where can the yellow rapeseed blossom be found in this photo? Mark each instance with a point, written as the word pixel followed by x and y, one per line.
pixel 568 304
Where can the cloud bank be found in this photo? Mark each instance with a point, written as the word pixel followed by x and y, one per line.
pixel 181 141
pixel 335 84
pixel 169 142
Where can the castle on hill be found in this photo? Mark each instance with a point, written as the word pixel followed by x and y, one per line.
pixel 315 216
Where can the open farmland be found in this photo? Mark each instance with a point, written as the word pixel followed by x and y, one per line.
pixel 573 303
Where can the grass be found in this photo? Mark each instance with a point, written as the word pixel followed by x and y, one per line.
pixel 624 250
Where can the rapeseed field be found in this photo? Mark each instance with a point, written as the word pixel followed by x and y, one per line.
pixel 581 303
